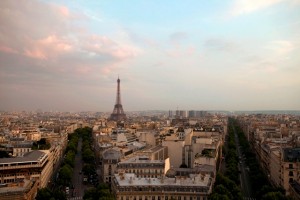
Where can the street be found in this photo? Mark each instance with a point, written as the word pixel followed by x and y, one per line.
pixel 79 187
pixel 244 177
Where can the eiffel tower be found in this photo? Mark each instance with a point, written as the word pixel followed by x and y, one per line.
pixel 118 112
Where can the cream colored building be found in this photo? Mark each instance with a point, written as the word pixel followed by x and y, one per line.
pixel 21 190
pixel 110 159
pixel 275 166
pixel 188 150
pixel 21 148
pixel 34 165
pixel 290 167
pixel 143 167
pixel 127 186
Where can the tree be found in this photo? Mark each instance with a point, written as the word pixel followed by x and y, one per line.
pixel 216 196
pixel 102 192
pixel 59 195
pixel 43 194
pixel 65 174
pixel 273 196
pixel 88 169
pixel 70 158
pixel 88 156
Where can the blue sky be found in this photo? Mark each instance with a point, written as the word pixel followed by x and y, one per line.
pixel 206 55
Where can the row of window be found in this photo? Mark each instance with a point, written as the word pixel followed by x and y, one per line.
pixel 22 150
pixel 18 174
pixel 146 171
pixel 141 165
pixel 173 197
pixel 166 189
pixel 18 164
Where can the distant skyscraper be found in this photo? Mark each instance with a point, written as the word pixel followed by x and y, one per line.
pixel 118 112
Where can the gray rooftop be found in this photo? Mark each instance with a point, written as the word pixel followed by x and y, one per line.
pixel 33 156
pixel 112 154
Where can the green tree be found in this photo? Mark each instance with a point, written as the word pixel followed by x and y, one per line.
pixel 43 194
pixel 216 196
pixel 88 156
pixel 65 174
pixel 88 169
pixel 59 195
pixel 273 196
pixel 70 158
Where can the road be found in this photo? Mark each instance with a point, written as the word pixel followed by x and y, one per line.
pixel 79 187
pixel 244 176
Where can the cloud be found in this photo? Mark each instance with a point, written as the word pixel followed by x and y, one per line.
pixel 48 40
pixel 6 49
pixel 178 37
pixel 241 7
pixel 103 45
pixel 219 44
pixel 272 57
pixel 281 47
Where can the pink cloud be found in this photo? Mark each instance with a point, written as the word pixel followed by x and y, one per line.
pixel 6 49
pixel 103 45
pixel 50 46
pixel 64 11
pixel 35 53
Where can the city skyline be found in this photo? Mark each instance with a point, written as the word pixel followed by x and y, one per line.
pixel 191 55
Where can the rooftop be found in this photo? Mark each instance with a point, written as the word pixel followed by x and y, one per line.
pixel 112 154
pixel 142 159
pixel 33 156
pixel 129 179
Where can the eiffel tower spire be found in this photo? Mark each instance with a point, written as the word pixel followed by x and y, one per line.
pixel 118 112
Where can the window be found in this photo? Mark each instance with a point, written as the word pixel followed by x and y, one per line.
pixel 291 166
pixel 291 173
pixel 291 180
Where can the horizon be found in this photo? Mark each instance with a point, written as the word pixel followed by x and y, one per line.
pixel 195 55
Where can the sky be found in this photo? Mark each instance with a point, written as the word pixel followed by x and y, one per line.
pixel 188 55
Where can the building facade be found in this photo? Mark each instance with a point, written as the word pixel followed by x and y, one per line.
pixel 129 187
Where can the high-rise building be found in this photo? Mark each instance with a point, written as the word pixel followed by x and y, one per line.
pixel 118 112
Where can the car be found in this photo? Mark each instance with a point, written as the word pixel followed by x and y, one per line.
pixel 67 190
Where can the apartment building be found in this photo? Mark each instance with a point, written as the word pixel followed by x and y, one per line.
pixel 110 159
pixel 290 167
pixel 142 166
pixel 34 165
pixel 21 190
pixel 21 148
pixel 275 139
pixel 127 186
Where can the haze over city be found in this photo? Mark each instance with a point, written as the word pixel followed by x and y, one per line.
pixel 206 55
